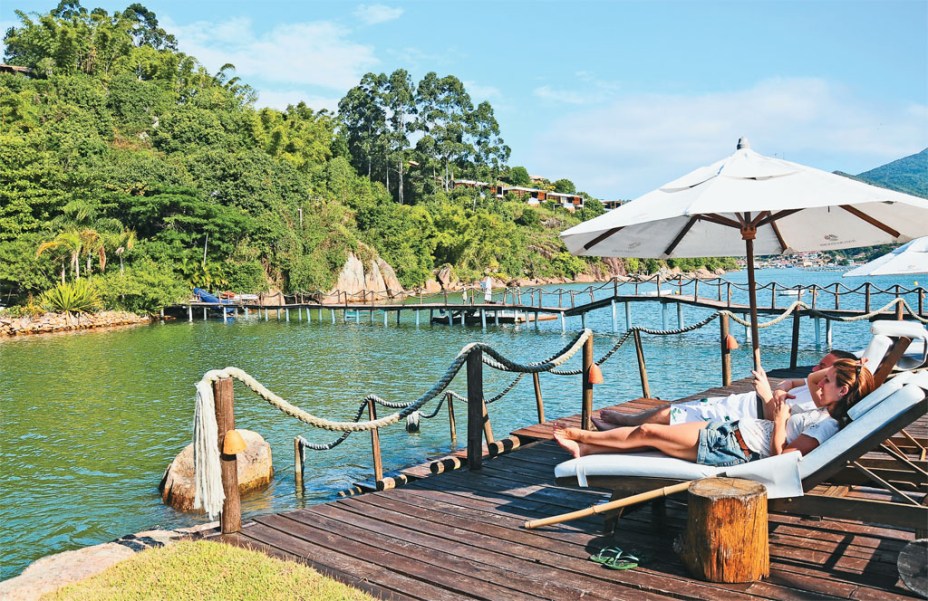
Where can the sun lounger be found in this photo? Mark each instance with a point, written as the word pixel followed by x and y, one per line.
pixel 884 412
pixel 894 405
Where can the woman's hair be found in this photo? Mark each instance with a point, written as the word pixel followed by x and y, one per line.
pixel 842 354
pixel 859 382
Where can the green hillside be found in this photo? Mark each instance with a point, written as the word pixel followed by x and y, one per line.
pixel 908 174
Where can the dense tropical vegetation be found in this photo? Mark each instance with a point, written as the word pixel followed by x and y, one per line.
pixel 125 163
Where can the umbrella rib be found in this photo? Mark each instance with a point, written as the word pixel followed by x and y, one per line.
pixel 776 232
pixel 679 238
pixel 878 224
pixel 601 237
pixel 720 220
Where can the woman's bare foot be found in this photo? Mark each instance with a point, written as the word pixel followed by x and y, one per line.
pixel 562 436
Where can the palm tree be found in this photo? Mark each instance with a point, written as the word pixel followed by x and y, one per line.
pixel 124 242
pixel 92 244
pixel 67 243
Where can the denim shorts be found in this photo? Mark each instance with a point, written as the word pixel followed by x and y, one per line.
pixel 718 445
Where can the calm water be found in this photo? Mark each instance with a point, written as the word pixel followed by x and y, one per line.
pixel 90 421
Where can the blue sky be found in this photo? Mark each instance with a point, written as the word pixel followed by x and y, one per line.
pixel 618 96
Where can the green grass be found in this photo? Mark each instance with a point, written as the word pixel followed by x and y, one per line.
pixel 205 571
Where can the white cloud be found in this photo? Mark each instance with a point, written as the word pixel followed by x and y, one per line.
pixel 640 142
pixel 372 14
pixel 314 53
pixel 560 96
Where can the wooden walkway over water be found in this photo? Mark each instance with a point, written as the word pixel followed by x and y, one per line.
pixel 459 535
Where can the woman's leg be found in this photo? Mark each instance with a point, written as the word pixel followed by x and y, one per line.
pixel 609 418
pixel 678 441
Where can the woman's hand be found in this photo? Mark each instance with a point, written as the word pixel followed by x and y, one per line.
pixel 762 385
pixel 781 410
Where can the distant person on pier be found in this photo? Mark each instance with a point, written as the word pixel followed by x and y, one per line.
pixel 488 290
pixel 721 443
pixel 796 394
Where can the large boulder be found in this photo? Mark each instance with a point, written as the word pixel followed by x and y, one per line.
pixel 446 277
pixel 357 281
pixel 255 470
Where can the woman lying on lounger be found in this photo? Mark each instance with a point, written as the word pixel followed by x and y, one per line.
pixel 730 408
pixel 834 390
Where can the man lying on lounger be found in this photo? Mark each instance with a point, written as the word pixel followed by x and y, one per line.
pixel 731 408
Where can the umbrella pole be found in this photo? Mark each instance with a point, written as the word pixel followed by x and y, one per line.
pixel 748 236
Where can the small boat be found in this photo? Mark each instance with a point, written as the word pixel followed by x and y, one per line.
pixel 794 292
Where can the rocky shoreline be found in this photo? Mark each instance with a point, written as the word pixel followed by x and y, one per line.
pixel 51 323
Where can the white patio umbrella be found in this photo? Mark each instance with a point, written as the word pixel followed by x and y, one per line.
pixel 910 258
pixel 751 204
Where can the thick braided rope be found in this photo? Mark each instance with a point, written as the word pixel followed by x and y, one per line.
pixel 825 314
pixel 208 493
pixel 497 361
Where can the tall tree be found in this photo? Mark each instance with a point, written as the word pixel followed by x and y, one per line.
pixel 365 119
pixel 401 106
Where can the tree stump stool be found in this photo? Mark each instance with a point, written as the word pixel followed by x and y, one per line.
pixel 726 531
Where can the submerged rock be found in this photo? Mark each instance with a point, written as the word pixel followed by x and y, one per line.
pixel 255 470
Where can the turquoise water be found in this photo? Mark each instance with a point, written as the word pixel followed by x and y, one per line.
pixel 91 420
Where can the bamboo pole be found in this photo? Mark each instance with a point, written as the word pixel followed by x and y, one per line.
pixel 539 403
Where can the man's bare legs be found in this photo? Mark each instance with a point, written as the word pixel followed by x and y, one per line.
pixel 609 419
pixel 678 441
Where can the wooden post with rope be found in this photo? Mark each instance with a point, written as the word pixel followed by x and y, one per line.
pixel 726 351
pixel 586 412
pixel 476 412
pixel 642 370
pixel 375 442
pixel 231 516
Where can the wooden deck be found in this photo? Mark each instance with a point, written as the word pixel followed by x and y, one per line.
pixel 459 535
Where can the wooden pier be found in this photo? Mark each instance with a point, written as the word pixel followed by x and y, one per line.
pixel 459 535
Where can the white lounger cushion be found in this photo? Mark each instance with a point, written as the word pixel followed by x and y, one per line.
pixel 658 465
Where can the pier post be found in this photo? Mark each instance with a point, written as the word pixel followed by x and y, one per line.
pixel 451 423
pixel 664 308
pixel 794 346
pixel 299 313
pixel 265 314
pixel 278 313
pixel 615 318
pixel 583 321
pixel 384 318
pixel 298 464
pixel 462 315
pixel 398 313
pixel 224 398
pixel 679 316
pixel 828 334
pixel 539 403
pixel 642 370
pixel 204 313
pixel 476 410
pixel 586 413
pixel 246 311
pixel 190 313
pixel 483 319
pixel 450 318
pixel 417 318
pixel 375 441
pixel 628 316
pixel 287 315
pixel 867 297
pixel 332 315
pixel 726 352
pixel 563 324
pixel 837 300
pixel 357 316
pixel 496 318
pixel 319 314
pixel 818 332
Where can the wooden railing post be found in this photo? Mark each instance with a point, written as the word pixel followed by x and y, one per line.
pixel 451 423
pixel 375 441
pixel 867 297
pixel 837 299
pixel 586 412
pixel 231 517
pixel 475 409
pixel 726 352
pixel 539 403
pixel 642 370
pixel 794 346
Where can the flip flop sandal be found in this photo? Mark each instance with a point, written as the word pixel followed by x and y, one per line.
pixel 606 554
pixel 619 563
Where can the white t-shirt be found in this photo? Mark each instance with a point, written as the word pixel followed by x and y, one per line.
pixel 758 433
pixel 734 407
